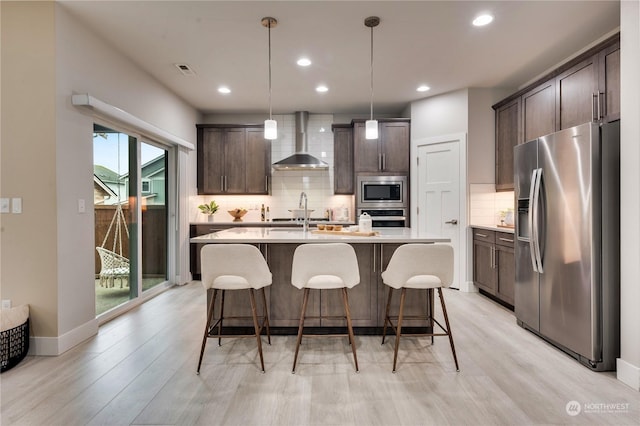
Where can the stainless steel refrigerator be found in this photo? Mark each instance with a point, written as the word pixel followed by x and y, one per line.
pixel 567 241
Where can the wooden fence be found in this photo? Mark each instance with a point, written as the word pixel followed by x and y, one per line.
pixel 154 240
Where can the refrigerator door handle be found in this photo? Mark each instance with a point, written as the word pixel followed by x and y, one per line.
pixel 535 219
pixel 534 177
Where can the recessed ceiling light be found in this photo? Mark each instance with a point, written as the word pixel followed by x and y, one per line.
pixel 224 89
pixel 482 20
pixel 304 62
pixel 423 88
pixel 322 89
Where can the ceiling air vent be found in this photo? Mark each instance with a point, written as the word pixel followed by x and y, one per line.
pixel 185 69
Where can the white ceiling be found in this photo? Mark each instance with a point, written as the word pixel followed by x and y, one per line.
pixel 417 42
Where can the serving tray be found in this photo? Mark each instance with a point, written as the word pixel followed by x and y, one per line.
pixel 355 233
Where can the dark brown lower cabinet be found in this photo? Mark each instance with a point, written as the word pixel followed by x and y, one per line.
pixel 494 263
pixel 506 266
pixel 194 249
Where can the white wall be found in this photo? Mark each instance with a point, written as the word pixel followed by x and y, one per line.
pixel 85 64
pixel 628 366
pixel 440 115
pixel 81 63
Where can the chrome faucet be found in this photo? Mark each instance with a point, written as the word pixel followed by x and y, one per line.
pixel 305 218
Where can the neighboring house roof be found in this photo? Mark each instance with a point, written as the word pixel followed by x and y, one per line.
pixel 103 186
pixel 150 168
pixel 105 174
pixel 153 167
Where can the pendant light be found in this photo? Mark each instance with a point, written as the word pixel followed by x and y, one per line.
pixel 371 125
pixel 270 125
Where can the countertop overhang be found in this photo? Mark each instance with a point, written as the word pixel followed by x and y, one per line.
pixel 289 235
pixel 494 228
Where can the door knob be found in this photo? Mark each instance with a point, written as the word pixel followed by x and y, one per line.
pixel 452 222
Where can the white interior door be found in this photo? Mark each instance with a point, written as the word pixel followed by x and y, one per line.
pixel 439 196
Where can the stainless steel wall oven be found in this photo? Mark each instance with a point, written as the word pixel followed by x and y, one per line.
pixel 384 198
pixel 386 218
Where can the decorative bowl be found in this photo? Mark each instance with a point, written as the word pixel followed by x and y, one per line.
pixel 237 214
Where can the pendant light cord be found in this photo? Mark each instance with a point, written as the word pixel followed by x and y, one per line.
pixel 269 68
pixel 371 73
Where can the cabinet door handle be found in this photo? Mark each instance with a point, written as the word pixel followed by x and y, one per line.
pixel 481 235
pixel 505 240
pixel 374 258
pixel 380 162
pixel 222 183
pixel 493 257
pixel 384 161
pixel 594 100
pixel 266 184
pixel 602 105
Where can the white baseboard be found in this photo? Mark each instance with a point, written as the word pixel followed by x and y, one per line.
pixel 628 373
pixel 468 287
pixel 54 346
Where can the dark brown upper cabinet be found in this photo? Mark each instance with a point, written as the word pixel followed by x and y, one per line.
pixel 508 134
pixel 343 176
pixel 585 89
pixel 389 154
pixel 538 111
pixel 233 160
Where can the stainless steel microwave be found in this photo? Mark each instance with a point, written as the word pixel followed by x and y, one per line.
pixel 381 191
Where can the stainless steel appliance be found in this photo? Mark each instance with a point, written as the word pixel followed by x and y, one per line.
pixel 381 192
pixel 567 241
pixel 386 218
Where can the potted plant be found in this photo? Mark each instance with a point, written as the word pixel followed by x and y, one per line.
pixel 209 209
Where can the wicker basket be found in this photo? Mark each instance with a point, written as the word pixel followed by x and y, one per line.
pixel 14 345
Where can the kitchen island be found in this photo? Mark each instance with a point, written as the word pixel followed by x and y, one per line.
pixel 367 299
pixel 260 235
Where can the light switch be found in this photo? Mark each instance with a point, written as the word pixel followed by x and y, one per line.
pixel 16 205
pixel 4 205
pixel 81 206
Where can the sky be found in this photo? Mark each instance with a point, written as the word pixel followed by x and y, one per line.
pixel 107 154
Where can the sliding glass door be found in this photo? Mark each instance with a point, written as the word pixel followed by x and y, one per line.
pixel 131 204
pixel 153 195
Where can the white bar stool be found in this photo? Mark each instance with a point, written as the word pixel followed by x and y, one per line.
pixel 325 267
pixel 419 266
pixel 234 267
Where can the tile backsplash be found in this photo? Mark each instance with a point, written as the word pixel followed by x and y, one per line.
pixel 485 204
pixel 286 186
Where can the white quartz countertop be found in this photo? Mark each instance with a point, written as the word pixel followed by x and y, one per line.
pixel 292 235
pixel 494 228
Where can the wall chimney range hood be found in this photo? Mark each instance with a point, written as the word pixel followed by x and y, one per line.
pixel 301 160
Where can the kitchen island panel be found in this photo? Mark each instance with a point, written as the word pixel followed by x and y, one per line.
pixel 285 299
pixel 415 304
pixel 362 297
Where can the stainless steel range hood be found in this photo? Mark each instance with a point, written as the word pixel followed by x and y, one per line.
pixel 301 160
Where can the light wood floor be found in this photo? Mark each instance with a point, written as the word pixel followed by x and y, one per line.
pixel 140 369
